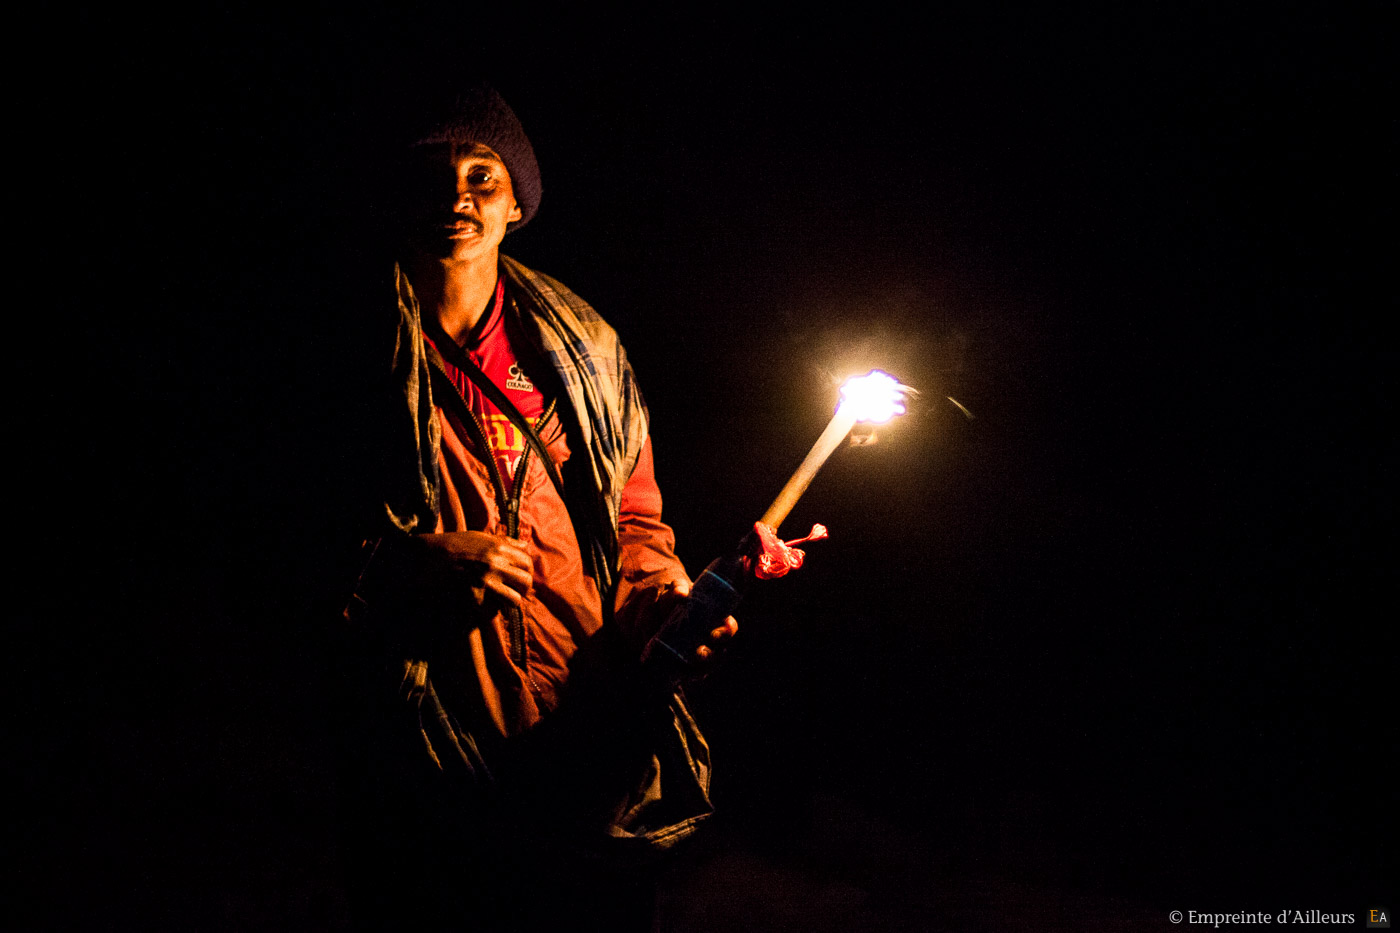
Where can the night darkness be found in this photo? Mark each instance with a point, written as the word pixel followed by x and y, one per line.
pixel 1114 646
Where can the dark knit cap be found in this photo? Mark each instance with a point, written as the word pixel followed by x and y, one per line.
pixel 480 115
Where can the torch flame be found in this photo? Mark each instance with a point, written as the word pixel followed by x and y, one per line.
pixel 875 397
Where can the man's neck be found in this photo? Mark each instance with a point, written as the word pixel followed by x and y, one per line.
pixel 455 293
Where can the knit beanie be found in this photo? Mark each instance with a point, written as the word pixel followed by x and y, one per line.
pixel 480 115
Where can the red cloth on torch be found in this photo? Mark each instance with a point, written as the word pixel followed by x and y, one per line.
pixel 775 557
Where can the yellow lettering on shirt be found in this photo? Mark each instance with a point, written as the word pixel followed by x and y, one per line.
pixel 502 435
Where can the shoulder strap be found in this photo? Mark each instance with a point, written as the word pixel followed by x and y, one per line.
pixel 463 361
pixel 459 358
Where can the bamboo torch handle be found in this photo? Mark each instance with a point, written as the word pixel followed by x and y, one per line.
pixel 831 438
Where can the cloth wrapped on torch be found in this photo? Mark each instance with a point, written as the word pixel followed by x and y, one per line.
pixel 875 398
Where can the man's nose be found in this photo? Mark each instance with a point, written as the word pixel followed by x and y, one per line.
pixel 464 200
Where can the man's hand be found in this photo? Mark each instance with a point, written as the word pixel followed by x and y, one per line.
pixel 480 563
pixel 672 596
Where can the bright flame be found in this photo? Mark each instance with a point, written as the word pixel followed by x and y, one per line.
pixel 875 397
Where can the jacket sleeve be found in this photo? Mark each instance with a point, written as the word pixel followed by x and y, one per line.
pixel 646 545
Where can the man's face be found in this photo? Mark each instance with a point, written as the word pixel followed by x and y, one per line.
pixel 460 201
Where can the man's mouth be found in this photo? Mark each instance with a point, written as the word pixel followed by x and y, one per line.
pixel 462 227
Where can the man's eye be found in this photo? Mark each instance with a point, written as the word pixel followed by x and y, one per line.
pixel 479 177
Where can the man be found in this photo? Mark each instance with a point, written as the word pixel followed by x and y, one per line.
pixel 519 567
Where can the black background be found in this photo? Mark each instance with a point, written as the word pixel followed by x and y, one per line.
pixel 1121 636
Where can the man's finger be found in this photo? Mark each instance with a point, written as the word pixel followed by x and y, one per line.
pixel 518 577
pixel 507 592
pixel 727 630
pixel 512 554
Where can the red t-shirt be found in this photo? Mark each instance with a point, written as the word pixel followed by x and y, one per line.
pixel 508 360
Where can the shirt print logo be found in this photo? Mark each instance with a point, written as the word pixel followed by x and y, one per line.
pixel 518 381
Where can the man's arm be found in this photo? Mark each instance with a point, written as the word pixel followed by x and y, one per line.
pixel 653 580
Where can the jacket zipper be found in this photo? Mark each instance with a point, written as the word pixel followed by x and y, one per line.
pixel 509 507
pixel 517 487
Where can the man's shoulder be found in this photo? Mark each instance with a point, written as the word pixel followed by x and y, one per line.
pixel 563 326
pixel 547 291
pixel 517 271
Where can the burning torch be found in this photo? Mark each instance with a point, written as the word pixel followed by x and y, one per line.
pixel 876 398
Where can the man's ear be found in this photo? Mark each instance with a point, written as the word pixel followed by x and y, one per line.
pixel 514 211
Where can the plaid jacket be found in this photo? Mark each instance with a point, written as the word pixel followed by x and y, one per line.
pixel 606 407
pixel 610 419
